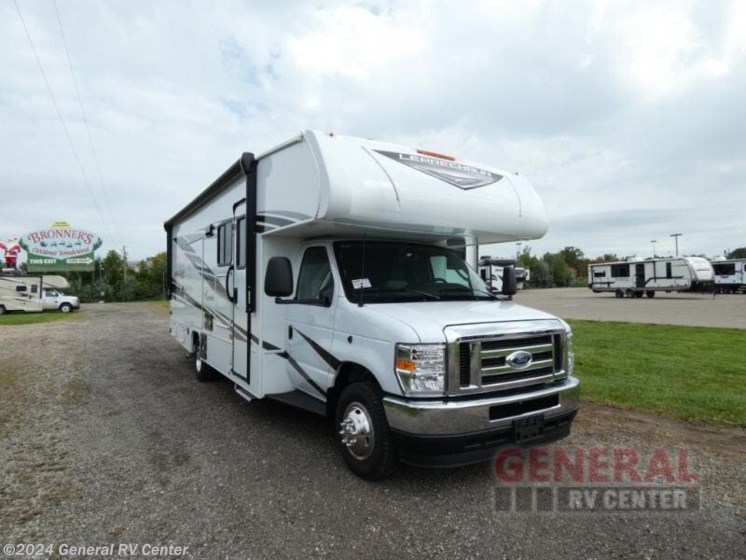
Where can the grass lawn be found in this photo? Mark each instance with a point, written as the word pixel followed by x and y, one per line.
pixel 690 373
pixel 23 318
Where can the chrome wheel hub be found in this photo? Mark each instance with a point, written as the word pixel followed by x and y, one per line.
pixel 356 431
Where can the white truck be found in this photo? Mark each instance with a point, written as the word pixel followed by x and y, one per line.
pixel 328 273
pixel 730 275
pixel 20 292
pixel 638 278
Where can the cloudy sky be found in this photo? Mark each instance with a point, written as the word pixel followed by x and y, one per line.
pixel 628 116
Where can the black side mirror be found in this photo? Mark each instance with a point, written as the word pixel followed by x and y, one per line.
pixel 509 282
pixel 278 280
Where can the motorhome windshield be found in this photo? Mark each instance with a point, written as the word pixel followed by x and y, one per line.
pixel 387 272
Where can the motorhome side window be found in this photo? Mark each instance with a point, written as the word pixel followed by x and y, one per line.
pixel 669 270
pixel 241 243
pixel 620 270
pixel 725 269
pixel 225 243
pixel 20 288
pixel 315 282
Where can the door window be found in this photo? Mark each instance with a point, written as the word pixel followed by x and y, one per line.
pixel 225 243
pixel 315 282
pixel 241 243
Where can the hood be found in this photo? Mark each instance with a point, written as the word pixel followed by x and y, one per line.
pixel 429 318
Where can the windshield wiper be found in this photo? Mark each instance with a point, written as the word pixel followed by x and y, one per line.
pixel 421 293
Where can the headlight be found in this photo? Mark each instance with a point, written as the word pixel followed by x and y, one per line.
pixel 421 369
pixel 570 353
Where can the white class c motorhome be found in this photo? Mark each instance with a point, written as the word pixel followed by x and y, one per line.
pixel 327 273
pixel 20 292
pixel 638 278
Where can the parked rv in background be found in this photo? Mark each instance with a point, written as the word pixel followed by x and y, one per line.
pixel 327 274
pixel 730 276
pixel 491 271
pixel 20 292
pixel 638 278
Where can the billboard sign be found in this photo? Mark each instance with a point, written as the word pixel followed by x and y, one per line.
pixel 60 248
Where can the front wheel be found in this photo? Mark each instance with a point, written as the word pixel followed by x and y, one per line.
pixel 363 432
pixel 66 308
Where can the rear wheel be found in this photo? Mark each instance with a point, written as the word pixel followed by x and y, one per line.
pixel 3 311
pixel 363 432
pixel 202 370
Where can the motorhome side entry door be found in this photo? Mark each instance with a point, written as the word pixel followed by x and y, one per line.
pixel 236 285
pixel 310 322
pixel 640 275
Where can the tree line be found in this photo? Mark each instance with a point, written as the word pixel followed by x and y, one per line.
pixel 111 280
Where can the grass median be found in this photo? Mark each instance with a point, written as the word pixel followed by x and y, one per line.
pixel 25 318
pixel 690 373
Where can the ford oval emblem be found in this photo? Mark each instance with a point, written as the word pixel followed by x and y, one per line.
pixel 520 359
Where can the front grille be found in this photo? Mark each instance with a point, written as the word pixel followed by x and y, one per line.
pixel 501 363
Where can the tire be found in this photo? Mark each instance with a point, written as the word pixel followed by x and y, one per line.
pixel 650 293
pixel 3 311
pixel 619 294
pixel 638 294
pixel 66 308
pixel 202 371
pixel 363 433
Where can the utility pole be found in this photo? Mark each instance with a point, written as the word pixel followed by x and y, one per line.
pixel 654 241
pixel 676 238
pixel 124 258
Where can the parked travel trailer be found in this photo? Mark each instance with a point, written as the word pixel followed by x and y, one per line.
pixel 491 272
pixel 638 278
pixel 730 276
pixel 327 273
pixel 35 293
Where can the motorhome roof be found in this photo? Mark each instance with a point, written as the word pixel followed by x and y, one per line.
pixel 333 184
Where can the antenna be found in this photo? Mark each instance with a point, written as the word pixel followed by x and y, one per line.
pixel 362 273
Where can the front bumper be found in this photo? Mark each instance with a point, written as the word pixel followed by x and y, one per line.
pixel 451 432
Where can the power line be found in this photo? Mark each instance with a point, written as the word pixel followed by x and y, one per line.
pixel 59 114
pixel 104 192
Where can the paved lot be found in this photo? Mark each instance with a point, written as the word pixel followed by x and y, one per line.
pixel 724 310
pixel 105 437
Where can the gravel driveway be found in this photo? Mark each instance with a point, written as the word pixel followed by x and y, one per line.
pixel 107 438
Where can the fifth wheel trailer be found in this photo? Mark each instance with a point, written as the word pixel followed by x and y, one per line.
pixel 327 273
pixel 638 278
